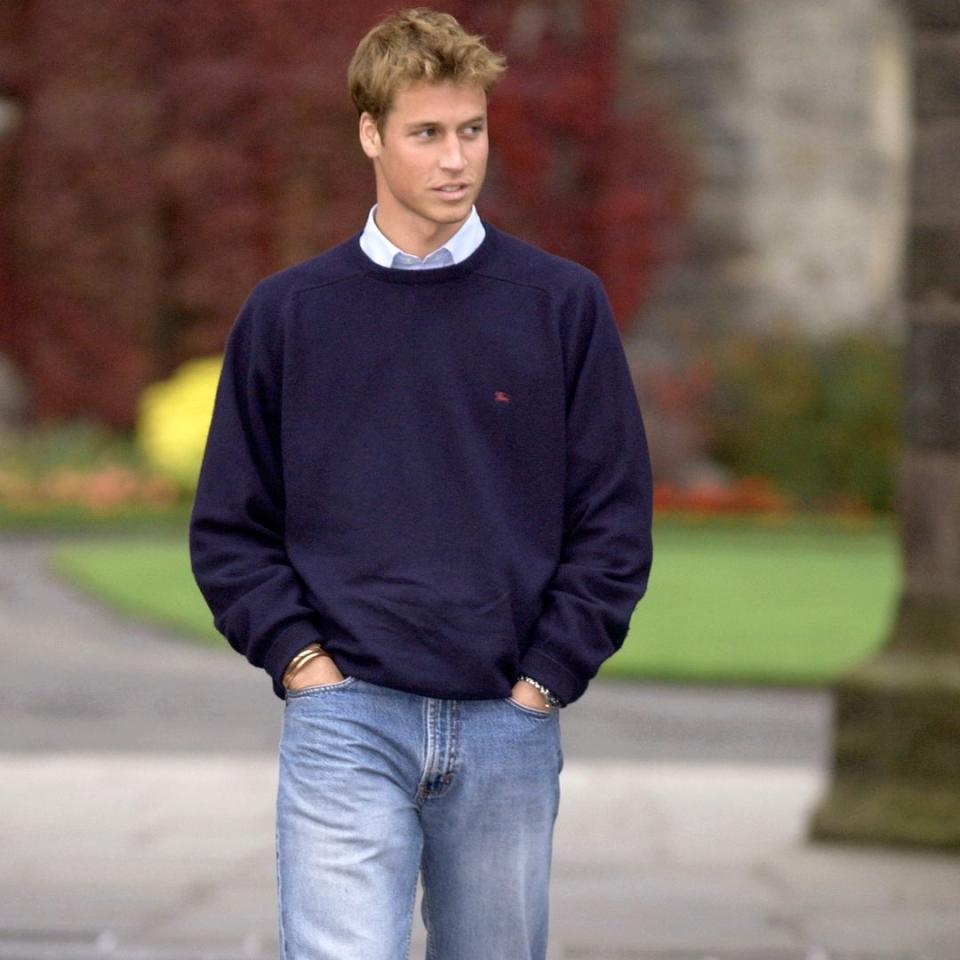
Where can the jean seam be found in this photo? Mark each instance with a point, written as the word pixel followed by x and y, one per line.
pixel 431 934
pixel 283 942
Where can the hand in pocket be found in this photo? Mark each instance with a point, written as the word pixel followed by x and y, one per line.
pixel 315 673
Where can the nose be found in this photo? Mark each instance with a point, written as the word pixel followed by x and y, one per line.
pixel 452 157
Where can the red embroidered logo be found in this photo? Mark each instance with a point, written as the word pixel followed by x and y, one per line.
pixel 501 396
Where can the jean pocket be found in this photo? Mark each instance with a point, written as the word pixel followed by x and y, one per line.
pixel 531 711
pixel 320 688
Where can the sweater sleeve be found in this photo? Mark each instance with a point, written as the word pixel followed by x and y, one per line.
pixel 607 547
pixel 237 550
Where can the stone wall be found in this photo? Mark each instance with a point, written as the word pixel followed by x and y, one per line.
pixel 797 113
pixel 930 479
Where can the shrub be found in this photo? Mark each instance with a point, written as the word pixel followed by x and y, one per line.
pixel 79 444
pixel 173 419
pixel 820 419
pixel 76 465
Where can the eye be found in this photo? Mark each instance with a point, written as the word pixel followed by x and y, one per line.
pixel 475 129
pixel 425 133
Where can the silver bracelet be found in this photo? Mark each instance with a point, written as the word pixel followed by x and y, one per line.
pixel 547 695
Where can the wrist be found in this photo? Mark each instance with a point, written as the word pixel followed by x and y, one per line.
pixel 549 698
pixel 310 652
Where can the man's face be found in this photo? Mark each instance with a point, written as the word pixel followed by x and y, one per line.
pixel 430 160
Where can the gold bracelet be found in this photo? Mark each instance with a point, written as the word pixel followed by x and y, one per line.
pixel 291 673
pixel 299 658
pixel 308 653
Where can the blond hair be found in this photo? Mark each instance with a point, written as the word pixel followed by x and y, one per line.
pixel 412 46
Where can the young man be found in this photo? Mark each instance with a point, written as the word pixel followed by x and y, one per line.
pixel 424 510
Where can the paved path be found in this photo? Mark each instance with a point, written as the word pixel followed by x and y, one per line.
pixel 137 782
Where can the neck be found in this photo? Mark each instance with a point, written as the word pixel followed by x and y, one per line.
pixel 418 238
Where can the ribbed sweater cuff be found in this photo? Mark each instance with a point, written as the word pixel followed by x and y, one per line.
pixel 561 682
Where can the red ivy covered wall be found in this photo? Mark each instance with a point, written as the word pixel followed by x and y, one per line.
pixel 172 152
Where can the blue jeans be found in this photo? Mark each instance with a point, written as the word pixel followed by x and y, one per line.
pixel 376 785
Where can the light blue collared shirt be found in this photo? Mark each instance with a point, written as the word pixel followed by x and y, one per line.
pixel 386 253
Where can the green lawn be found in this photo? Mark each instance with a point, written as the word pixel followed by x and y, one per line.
pixel 783 605
pixel 797 603
pixel 147 577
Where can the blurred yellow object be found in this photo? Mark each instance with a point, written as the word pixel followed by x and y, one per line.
pixel 174 417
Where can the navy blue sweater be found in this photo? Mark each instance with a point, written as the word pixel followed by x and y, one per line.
pixel 439 475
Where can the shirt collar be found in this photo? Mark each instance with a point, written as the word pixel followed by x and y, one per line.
pixel 387 254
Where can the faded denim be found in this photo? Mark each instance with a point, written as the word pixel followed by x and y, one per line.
pixel 377 784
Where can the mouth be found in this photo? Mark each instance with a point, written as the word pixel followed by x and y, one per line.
pixel 452 191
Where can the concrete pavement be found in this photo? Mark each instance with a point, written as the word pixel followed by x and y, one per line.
pixel 138 776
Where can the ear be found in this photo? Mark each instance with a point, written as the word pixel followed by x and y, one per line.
pixel 369 136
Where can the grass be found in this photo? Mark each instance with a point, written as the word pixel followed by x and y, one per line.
pixel 147 577
pixel 727 601
pixel 797 604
